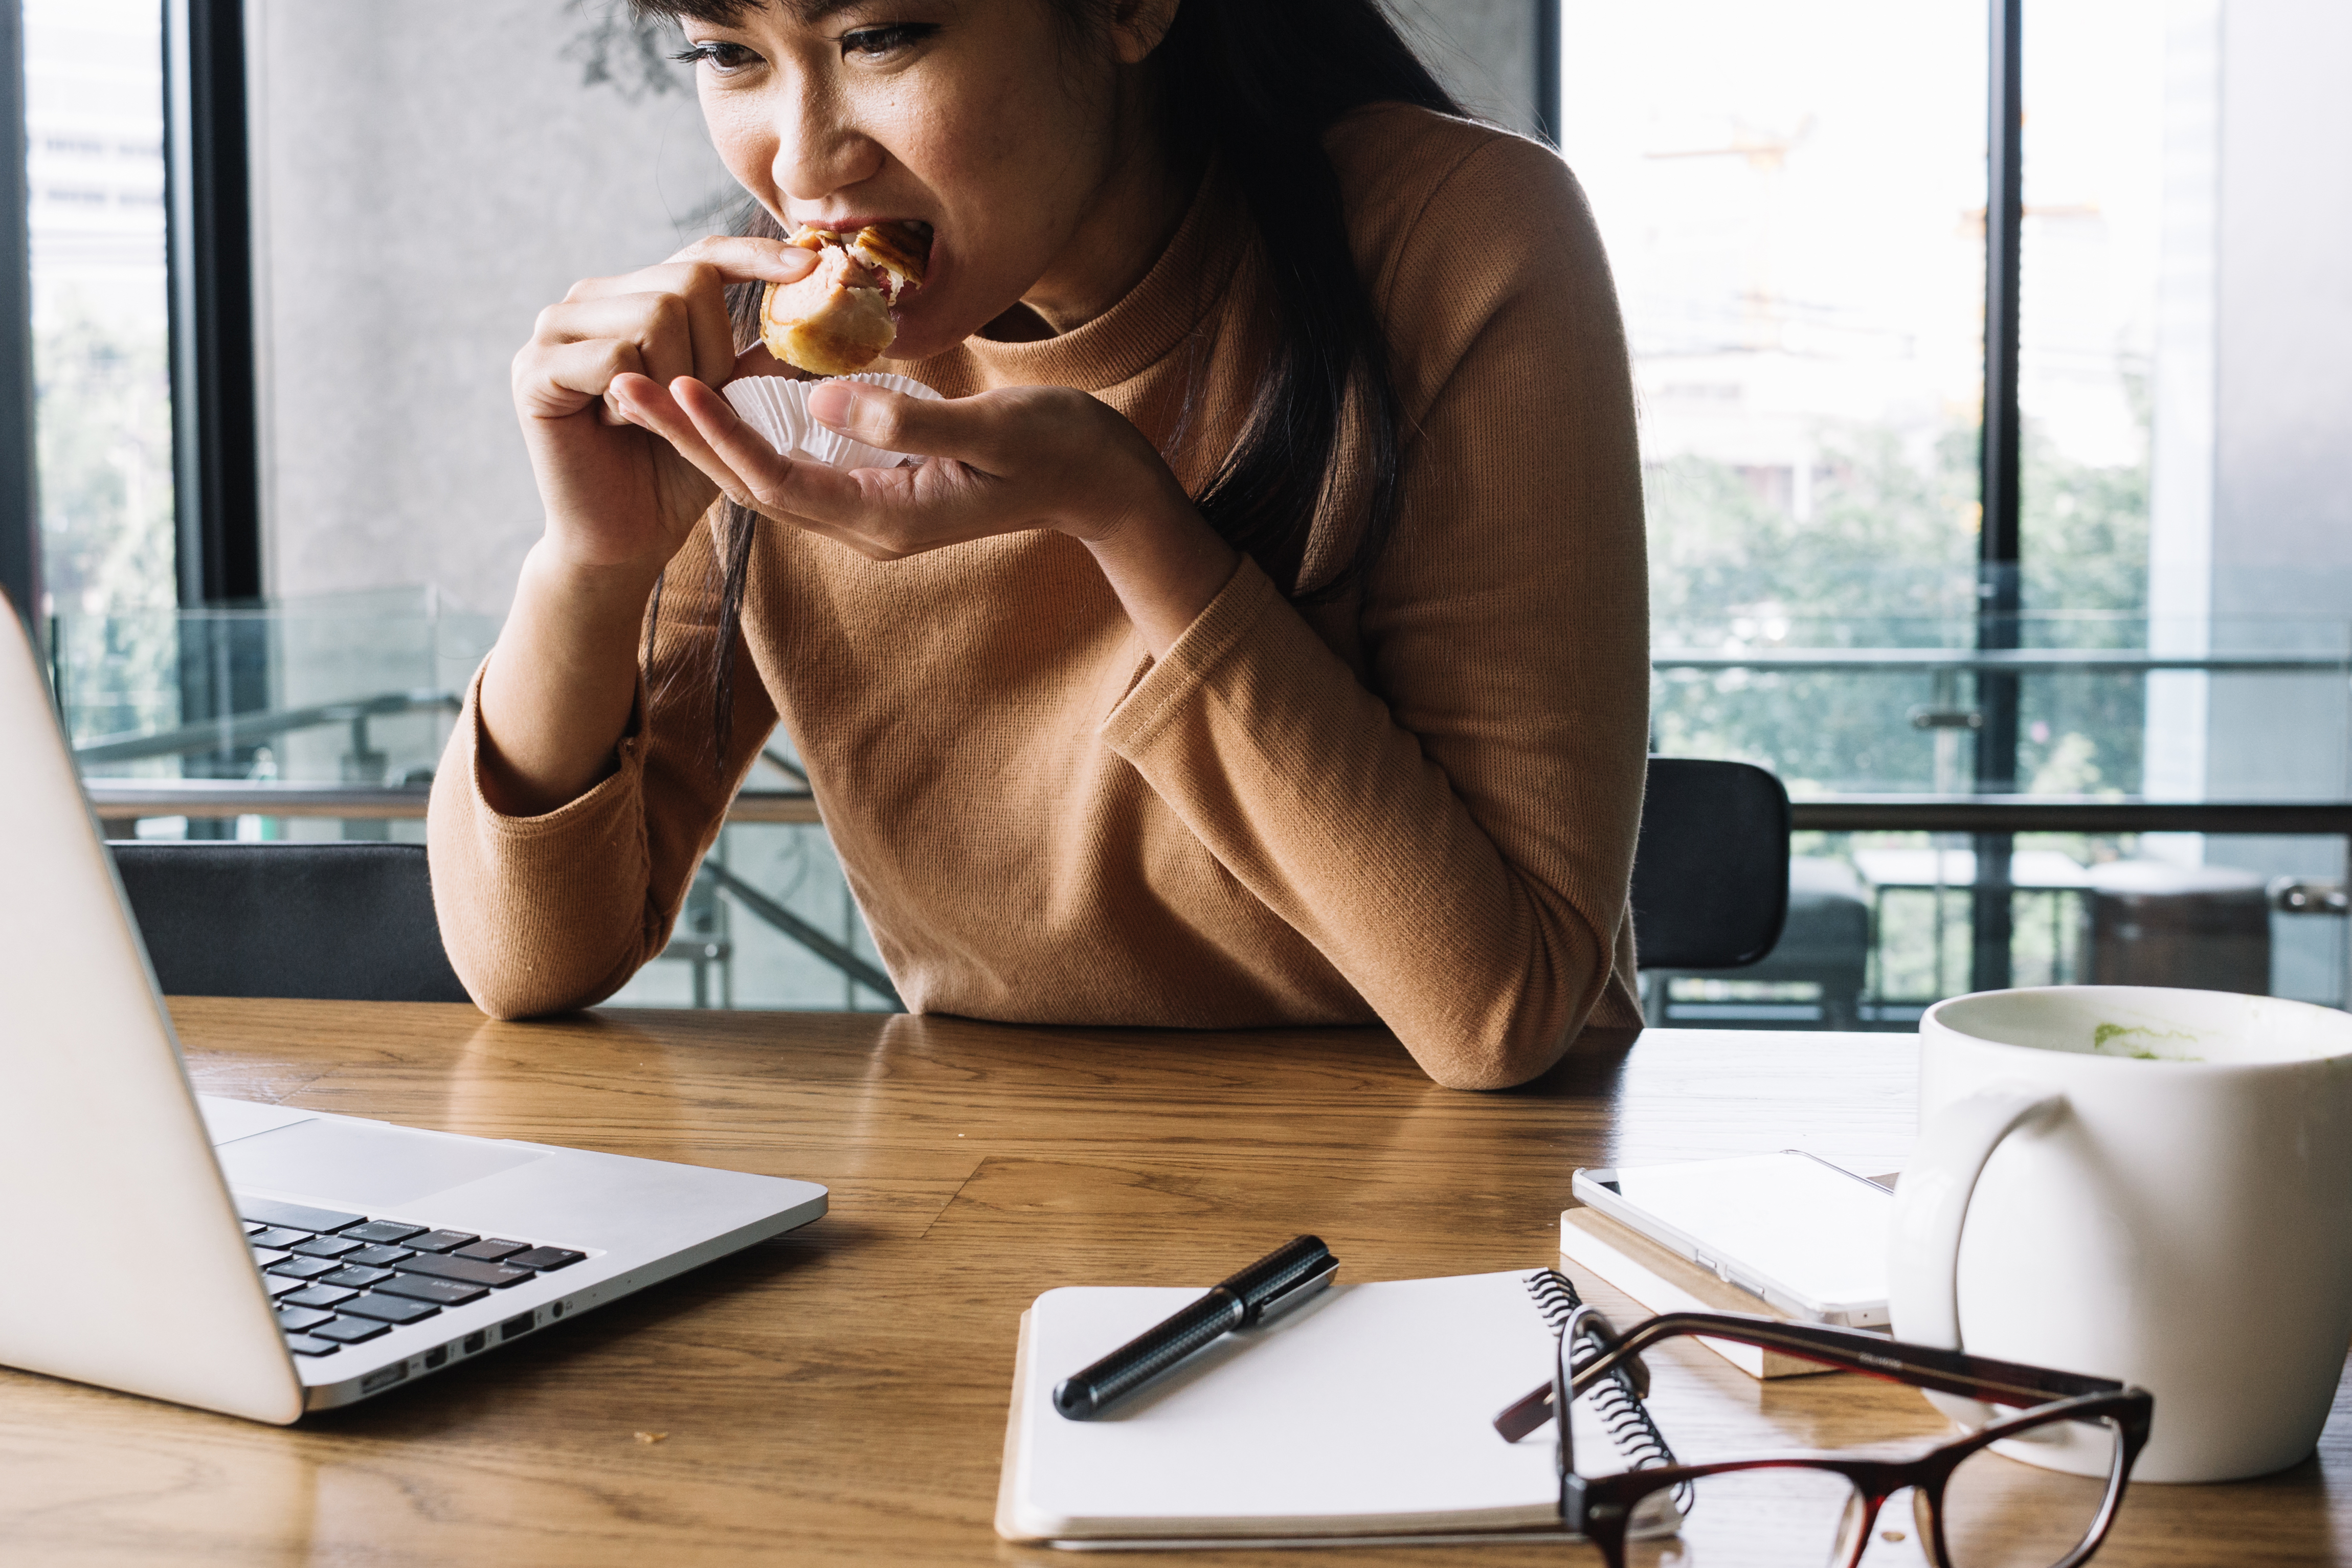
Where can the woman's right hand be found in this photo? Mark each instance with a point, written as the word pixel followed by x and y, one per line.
pixel 618 496
pixel 559 688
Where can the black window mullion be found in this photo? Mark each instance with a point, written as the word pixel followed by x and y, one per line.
pixel 216 462
pixel 20 510
pixel 2000 596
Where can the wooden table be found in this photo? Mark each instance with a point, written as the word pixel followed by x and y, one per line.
pixel 839 1395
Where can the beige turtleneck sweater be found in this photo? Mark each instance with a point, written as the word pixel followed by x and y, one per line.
pixel 1414 806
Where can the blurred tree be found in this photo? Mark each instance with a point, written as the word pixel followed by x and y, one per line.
pixel 104 414
pixel 1887 558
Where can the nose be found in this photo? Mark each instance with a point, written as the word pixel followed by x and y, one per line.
pixel 820 148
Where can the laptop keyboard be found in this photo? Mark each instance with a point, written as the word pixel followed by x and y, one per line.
pixel 340 1280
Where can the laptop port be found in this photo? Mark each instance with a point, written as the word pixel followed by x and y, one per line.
pixel 475 1340
pixel 436 1357
pixel 515 1328
pixel 384 1378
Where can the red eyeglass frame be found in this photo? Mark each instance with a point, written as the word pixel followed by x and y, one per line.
pixel 1601 1508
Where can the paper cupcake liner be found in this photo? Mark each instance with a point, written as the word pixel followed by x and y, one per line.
pixel 777 408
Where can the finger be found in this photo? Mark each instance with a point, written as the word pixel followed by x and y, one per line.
pixel 650 406
pixel 814 490
pixel 558 381
pixel 929 427
pixel 697 293
pixel 661 325
pixel 729 259
pixel 748 258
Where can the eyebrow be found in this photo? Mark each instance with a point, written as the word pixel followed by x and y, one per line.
pixel 808 13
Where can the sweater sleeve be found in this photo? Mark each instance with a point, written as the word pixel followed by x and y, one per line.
pixel 542 914
pixel 1457 837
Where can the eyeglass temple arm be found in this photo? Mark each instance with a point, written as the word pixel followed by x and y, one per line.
pixel 1924 1366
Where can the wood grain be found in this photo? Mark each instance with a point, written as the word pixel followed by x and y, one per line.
pixel 839 1395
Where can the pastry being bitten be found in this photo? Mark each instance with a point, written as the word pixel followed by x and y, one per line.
pixel 837 320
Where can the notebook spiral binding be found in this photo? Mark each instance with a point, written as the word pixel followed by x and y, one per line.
pixel 1622 1415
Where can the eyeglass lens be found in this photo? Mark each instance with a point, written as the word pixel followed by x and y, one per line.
pixel 1802 1513
pixel 1998 1513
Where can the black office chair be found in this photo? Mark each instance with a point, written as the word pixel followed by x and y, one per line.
pixel 1711 870
pixel 349 923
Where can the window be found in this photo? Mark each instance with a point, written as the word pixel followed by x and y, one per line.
pixel 94 172
pixel 1795 199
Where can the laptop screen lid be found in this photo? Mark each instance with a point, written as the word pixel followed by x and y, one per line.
pixel 100 1135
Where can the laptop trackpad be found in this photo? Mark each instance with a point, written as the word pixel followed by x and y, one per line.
pixel 368 1168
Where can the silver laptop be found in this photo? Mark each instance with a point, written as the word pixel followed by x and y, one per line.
pixel 287 1261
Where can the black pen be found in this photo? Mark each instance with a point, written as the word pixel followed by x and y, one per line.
pixel 1267 1288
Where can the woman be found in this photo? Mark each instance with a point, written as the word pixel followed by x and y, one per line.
pixel 1264 640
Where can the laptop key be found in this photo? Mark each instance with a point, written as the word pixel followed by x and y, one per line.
pixel 465 1270
pixel 491 1250
pixel 303 1267
pixel 275 1237
pixel 324 1247
pixel 377 1257
pixel 320 1296
pixel 382 1230
pixel 440 1292
pixel 278 1285
pixel 263 1256
pixel 351 1330
pixel 294 1217
pixel 389 1308
pixel 303 1344
pixel 352 1279
pixel 440 1240
pixel 251 1226
pixel 302 1320
pixel 543 1259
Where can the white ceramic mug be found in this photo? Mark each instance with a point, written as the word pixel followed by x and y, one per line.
pixel 2149 1184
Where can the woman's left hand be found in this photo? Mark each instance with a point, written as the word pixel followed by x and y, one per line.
pixel 1002 462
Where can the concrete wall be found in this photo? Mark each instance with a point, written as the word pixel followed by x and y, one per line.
pixel 430 174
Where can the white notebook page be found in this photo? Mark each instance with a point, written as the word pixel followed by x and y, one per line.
pixel 1372 1407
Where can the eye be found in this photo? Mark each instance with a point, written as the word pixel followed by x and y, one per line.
pixel 721 56
pixel 880 43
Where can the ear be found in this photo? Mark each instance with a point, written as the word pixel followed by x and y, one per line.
pixel 1138 27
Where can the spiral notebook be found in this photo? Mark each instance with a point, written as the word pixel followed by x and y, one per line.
pixel 1367 1413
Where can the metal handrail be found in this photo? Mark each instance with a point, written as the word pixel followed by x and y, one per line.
pixel 2002 661
pixel 834 952
pixel 232 729
pixel 235 730
pixel 213 798
pixel 2063 814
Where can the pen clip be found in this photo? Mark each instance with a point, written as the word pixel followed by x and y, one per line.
pixel 1292 1294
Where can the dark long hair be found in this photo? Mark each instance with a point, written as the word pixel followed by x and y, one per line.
pixel 1249 86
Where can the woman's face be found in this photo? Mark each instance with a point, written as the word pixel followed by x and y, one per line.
pixel 983 119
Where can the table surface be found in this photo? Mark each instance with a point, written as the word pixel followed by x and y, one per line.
pixel 839 1395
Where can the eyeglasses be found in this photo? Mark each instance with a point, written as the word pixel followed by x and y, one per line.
pixel 1974 1506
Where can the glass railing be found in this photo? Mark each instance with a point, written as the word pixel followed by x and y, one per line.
pixel 2176 813
pixel 325 718
pixel 346 691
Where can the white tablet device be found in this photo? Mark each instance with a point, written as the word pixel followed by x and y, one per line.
pixel 1806 1237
